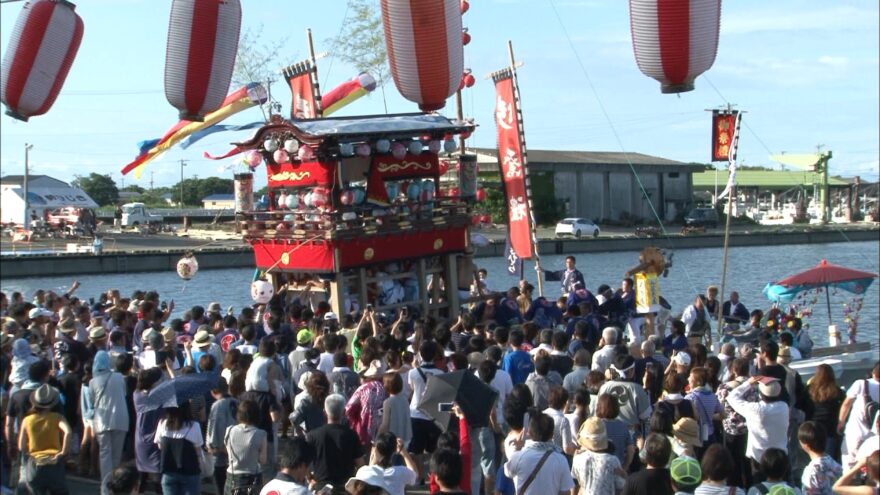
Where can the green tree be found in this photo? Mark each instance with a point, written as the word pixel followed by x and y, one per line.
pixel 256 61
pixel 361 42
pixel 195 189
pixel 101 188
pixel 133 188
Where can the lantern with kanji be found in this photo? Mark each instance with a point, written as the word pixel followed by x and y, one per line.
pixel 425 51
pixel 44 43
pixel 202 42
pixel 674 42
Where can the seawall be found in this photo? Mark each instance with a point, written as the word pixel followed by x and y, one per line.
pixel 115 262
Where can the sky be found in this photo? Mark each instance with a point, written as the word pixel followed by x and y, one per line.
pixel 804 71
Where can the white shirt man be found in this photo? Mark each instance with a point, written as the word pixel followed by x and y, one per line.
pixel 857 425
pixel 553 478
pixel 768 421
pixel 603 358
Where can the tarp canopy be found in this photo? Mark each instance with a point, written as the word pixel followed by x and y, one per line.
pixel 387 126
pixel 57 197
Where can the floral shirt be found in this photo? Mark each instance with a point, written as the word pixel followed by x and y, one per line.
pixel 596 473
pixel 820 474
pixel 364 410
pixel 733 423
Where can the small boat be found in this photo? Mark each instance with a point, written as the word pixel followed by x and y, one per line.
pixel 850 362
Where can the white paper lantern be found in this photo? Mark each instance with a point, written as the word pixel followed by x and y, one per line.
pixel 383 146
pixel 282 200
pixel 291 145
pixel 346 197
pixel 281 156
pixel 346 149
pixel 270 145
pixel 292 201
pixel 434 146
pixel 398 150
pixel 187 267
pixel 415 147
pixel 362 149
pixel 261 291
pixel 305 153
pixel 449 145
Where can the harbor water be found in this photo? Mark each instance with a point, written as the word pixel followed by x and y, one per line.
pixel 749 270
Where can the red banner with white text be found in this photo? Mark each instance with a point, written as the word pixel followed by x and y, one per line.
pixel 723 127
pixel 302 90
pixel 510 159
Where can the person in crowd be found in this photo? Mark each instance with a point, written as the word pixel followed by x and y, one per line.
pixel 706 405
pixel 853 414
pixel 595 470
pixel 395 478
pixel 562 437
pixel 343 380
pixel 294 460
pixel 246 448
pixel 673 403
pixel 655 478
pixel 125 480
pixel 364 408
pixel 44 441
pixel 822 471
pixel 574 380
pixel 551 472
pixel 457 441
pixel 734 426
pixel 686 474
pixel 446 467
pixel 870 464
pixel 395 410
pixel 767 419
pixel 635 405
pixel 579 405
pixel 147 455
pixel 734 311
pixel 337 448
pixel 223 415
pixel 686 440
pixel 517 362
pixel 424 431
pixel 696 321
pixel 826 397
pixel 180 442
pixel 110 419
pixel 608 410
pixel 539 383
pixel 570 278
pixel 308 410
pixel 775 466
pixel 716 467
pixel 603 358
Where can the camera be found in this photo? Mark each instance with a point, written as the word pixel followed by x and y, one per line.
pixel 444 407
pixel 369 307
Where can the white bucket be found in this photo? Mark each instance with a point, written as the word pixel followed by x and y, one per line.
pixel 833 336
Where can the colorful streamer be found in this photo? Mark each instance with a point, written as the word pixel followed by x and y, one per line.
pixel 347 92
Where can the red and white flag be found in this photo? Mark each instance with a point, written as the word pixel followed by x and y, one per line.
pixel 304 97
pixel 511 158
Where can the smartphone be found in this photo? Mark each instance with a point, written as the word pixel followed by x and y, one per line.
pixel 327 490
pixel 369 307
pixel 444 407
pixel 404 311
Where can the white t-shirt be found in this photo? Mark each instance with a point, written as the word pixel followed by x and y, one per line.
pixel 190 432
pixel 561 429
pixel 325 364
pixel 417 384
pixel 857 425
pixel 553 477
pixel 504 386
pixel 397 478
pixel 281 487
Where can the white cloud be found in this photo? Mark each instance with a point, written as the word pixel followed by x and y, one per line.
pixel 770 19
pixel 833 61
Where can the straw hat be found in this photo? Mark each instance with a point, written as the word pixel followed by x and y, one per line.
pixel 687 430
pixel 168 334
pixel 46 396
pixel 784 355
pixel 97 332
pixel 371 475
pixel 685 471
pixel 203 338
pixel 593 435
pixel 67 325
pixel 375 370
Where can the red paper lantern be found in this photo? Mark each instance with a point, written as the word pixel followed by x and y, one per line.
pixel 444 167
pixel 424 45
pixel 485 219
pixel 202 42
pixel 481 194
pixel 674 42
pixel 43 45
pixel 465 6
pixel 465 37
pixel 475 220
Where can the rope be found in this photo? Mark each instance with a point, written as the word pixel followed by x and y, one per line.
pixel 619 141
pixel 318 236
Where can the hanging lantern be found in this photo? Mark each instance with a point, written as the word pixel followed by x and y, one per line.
pixel 305 153
pixel 202 42
pixel 444 167
pixel 262 291
pixel 449 145
pixel 383 146
pixel 346 197
pixel 362 149
pixel 434 146
pixel 393 190
pixel 270 145
pixel 468 79
pixel 282 200
pixel 674 42
pixel 320 196
pixel 481 194
pixel 414 147
pixel 280 156
pixel 423 41
pixel 253 158
pixel 414 191
pixel 44 43
pixel 187 267
pixel 346 149
pixel 465 37
pixel 359 195
pixel 398 150
pixel 291 145
pixel 292 201
pixel 464 6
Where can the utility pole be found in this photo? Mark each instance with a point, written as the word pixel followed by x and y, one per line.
pixel 822 168
pixel 151 181
pixel 182 164
pixel 123 182
pixel 27 217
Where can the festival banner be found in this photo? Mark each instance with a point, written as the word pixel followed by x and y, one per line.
pixel 514 262
pixel 511 161
pixel 301 78
pixel 305 174
pixel 347 92
pixel 723 127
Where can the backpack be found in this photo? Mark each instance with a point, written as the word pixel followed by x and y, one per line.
pixel 871 405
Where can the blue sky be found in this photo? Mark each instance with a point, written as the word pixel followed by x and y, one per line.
pixel 806 71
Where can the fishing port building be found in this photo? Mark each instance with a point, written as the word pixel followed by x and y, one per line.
pixel 605 186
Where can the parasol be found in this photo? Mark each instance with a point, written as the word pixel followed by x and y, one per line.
pixel 474 397
pixel 823 275
pixel 177 390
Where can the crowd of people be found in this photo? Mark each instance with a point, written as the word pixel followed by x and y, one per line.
pixel 304 401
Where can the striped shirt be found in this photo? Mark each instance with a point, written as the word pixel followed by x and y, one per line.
pixel 706 405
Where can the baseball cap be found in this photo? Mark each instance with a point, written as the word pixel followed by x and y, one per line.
pixel 781 489
pixel 37 312
pixel 304 337
pixel 682 358
pixel 770 388
pixel 330 315
pixel 685 471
